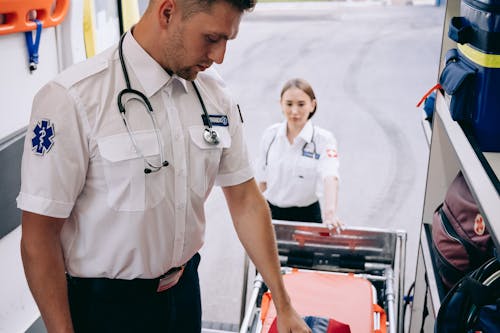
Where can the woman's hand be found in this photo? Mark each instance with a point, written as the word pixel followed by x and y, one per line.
pixel 329 207
pixel 332 222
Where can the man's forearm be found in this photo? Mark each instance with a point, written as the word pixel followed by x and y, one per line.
pixel 44 269
pixel 48 286
pixel 252 222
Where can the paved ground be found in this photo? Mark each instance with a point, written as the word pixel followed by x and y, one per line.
pixel 369 64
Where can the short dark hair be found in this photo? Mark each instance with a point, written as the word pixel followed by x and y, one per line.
pixel 191 7
pixel 305 87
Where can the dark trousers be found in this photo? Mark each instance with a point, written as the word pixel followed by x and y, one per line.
pixel 111 305
pixel 311 213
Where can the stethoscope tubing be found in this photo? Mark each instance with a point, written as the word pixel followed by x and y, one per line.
pixel 314 153
pixel 210 135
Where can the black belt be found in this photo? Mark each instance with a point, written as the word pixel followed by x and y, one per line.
pixel 118 286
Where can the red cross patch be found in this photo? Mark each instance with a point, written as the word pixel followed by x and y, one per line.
pixel 332 153
pixel 479 225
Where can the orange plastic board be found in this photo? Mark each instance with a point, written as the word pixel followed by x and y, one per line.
pixel 15 14
pixel 345 298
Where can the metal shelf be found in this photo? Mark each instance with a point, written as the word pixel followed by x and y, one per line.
pixel 433 278
pixel 426 126
pixel 480 170
pixel 450 152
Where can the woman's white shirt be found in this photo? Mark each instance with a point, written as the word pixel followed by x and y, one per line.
pixel 294 173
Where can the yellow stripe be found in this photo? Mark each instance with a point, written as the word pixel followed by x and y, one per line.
pixel 480 58
pixel 88 27
pixel 130 13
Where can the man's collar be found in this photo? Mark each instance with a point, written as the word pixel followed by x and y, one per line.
pixel 148 72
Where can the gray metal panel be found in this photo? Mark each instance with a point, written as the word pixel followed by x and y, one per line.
pixel 11 150
pixel 310 244
pixel 37 327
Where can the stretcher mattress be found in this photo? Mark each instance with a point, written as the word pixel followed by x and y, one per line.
pixel 342 297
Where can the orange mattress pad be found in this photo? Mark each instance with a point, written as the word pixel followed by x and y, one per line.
pixel 345 298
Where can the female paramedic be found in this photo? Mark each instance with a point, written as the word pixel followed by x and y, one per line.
pixel 298 162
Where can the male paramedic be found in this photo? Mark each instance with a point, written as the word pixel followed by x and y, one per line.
pixel 120 155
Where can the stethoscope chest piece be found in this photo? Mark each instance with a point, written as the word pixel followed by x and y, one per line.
pixel 211 136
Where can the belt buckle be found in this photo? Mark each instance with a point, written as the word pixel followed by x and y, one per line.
pixel 169 280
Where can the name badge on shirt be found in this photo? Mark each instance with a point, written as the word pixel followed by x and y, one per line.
pixel 216 119
pixel 311 154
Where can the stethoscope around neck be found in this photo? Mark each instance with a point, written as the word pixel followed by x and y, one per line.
pixel 311 154
pixel 210 135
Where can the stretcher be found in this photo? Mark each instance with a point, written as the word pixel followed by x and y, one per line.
pixel 354 278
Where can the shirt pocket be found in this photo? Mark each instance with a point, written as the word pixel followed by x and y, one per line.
pixel 204 158
pixel 128 187
pixel 305 168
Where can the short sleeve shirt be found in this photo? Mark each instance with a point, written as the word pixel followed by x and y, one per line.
pixel 79 163
pixel 294 173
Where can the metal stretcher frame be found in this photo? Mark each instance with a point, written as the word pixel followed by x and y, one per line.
pixel 375 254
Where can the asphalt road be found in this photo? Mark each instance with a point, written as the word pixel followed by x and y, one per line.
pixel 369 64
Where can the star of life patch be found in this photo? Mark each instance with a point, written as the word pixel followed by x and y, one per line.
pixel 43 137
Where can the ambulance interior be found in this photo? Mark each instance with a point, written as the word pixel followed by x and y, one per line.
pixel 378 278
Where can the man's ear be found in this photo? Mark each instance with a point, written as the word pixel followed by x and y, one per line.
pixel 166 10
pixel 166 13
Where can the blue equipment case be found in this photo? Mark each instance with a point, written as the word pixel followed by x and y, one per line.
pixel 478 33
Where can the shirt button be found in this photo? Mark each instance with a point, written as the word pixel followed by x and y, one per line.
pixel 180 206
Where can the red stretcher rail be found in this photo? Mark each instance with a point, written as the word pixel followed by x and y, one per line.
pixel 15 14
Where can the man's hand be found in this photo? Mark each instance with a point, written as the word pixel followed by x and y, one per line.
pixel 289 321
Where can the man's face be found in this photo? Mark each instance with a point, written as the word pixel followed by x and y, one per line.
pixel 200 40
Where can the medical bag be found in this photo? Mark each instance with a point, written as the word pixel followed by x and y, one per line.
pixel 472 72
pixel 460 239
pixel 473 304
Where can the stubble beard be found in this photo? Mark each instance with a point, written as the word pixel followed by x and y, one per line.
pixel 187 73
pixel 176 50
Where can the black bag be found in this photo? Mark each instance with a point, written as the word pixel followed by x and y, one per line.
pixel 473 304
